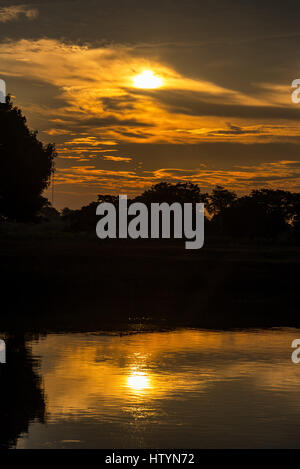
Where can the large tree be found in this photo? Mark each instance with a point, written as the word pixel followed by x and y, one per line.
pixel 219 200
pixel 182 192
pixel 25 166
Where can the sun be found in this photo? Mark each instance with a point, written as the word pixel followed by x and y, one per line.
pixel 147 80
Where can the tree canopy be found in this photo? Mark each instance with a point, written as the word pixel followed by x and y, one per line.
pixel 25 166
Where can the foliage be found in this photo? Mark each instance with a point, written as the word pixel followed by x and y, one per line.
pixel 25 166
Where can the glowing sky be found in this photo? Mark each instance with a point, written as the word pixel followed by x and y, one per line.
pixel 176 90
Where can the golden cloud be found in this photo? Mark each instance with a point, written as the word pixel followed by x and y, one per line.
pixel 282 174
pixel 14 12
pixel 96 89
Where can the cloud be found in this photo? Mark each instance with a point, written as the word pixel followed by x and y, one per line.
pixel 90 180
pixel 193 103
pixel 95 93
pixel 119 103
pixel 94 110
pixel 236 130
pixel 281 174
pixel 15 12
pixel 117 158
pixel 90 142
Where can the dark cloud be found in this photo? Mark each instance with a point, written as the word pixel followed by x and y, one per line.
pixel 167 20
pixel 193 104
pixel 122 103
pixel 264 179
pixel 98 122
pixel 235 130
pixel 212 154
pixel 137 134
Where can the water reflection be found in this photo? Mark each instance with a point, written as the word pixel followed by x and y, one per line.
pixel 138 381
pixel 21 397
pixel 188 388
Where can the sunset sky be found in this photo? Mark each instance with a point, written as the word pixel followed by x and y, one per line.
pixel 135 92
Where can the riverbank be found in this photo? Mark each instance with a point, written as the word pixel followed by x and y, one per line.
pixel 81 283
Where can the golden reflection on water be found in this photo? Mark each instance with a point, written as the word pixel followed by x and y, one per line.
pixel 138 381
pixel 82 372
pixel 169 388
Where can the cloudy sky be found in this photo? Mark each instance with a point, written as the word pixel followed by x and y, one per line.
pixel 137 92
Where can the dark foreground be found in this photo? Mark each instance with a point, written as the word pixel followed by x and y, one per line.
pixel 76 283
pixel 107 387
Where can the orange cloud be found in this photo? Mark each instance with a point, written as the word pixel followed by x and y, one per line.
pixel 14 12
pixel 117 158
pixel 282 174
pixel 95 86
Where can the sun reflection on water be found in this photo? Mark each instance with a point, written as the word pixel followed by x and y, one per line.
pixel 138 381
pixel 97 375
pixel 153 389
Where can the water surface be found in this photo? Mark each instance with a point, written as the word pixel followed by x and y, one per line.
pixel 182 389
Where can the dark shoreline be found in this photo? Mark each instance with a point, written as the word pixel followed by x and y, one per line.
pixel 78 283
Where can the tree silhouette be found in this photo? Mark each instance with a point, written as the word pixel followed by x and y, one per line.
pixel 182 192
pixel 21 395
pixel 246 218
pixel 48 212
pixel 282 203
pixel 263 214
pixel 83 219
pixel 25 166
pixel 219 200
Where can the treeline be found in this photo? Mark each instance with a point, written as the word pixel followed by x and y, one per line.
pixel 262 214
